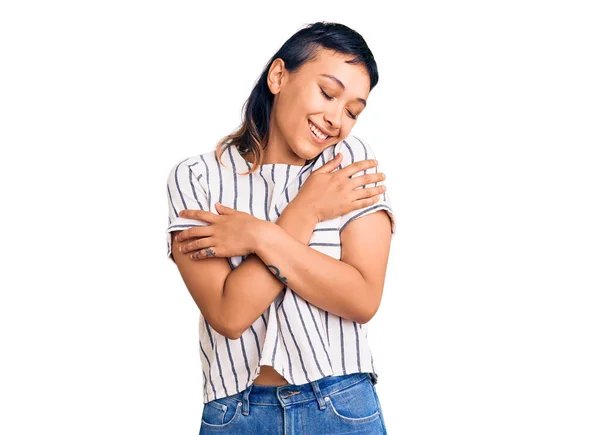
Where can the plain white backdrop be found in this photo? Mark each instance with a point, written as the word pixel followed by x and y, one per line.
pixel 485 121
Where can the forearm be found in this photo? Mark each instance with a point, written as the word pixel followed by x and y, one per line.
pixel 321 280
pixel 250 288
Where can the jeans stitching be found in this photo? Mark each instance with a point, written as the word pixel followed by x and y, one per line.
pixel 345 387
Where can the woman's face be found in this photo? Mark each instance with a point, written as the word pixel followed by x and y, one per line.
pixel 327 92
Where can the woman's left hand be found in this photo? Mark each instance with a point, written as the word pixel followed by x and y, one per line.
pixel 229 234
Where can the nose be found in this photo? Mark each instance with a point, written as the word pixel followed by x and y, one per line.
pixel 333 118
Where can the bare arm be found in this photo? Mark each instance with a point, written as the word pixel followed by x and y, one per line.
pixel 323 281
pixel 250 288
pixel 232 300
pixel 350 287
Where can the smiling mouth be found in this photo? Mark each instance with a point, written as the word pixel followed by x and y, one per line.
pixel 311 126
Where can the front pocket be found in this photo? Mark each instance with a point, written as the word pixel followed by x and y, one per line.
pixel 356 404
pixel 219 415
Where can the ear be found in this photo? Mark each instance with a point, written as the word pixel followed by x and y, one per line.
pixel 276 75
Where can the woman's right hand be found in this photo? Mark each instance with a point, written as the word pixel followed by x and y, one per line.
pixel 332 194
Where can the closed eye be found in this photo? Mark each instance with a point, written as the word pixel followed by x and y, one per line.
pixel 352 115
pixel 325 95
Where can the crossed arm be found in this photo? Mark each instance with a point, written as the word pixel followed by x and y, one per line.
pixel 350 288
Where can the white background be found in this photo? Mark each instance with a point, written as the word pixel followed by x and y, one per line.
pixel 485 120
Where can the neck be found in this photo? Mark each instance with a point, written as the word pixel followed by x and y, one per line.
pixel 269 160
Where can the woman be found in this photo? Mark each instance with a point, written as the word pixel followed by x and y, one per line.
pixel 265 233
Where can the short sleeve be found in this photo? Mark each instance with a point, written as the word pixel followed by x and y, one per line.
pixel 184 191
pixel 353 150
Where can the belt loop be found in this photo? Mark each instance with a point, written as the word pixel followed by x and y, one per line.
pixel 246 401
pixel 373 377
pixel 318 395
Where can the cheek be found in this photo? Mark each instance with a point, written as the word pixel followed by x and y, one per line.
pixel 288 121
pixel 347 127
pixel 289 112
pixel 294 120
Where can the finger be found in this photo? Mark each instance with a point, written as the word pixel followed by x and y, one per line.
pixel 201 215
pixel 194 232
pixel 366 202
pixel 194 245
pixel 331 164
pixel 368 192
pixel 366 179
pixel 223 209
pixel 355 167
pixel 203 253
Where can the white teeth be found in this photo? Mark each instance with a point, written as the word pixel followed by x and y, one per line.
pixel 318 132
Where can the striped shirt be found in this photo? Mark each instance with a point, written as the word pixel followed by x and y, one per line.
pixel 299 340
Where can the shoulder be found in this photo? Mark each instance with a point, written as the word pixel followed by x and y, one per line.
pixel 354 149
pixel 197 165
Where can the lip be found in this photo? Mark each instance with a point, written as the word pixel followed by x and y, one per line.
pixel 315 138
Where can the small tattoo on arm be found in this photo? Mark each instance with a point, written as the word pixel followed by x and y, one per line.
pixel 276 271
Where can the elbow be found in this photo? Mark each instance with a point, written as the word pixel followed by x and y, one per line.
pixel 229 321
pixel 233 328
pixel 368 309
pixel 232 334
pixel 230 330
pixel 221 324
pixel 227 324
pixel 225 329
pixel 365 316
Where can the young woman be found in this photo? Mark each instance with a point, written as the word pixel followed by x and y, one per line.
pixel 282 236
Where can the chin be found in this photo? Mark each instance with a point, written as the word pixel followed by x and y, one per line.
pixel 311 152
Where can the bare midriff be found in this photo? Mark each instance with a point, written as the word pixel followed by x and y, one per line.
pixel 269 376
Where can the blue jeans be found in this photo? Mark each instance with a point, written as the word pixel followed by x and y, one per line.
pixel 331 405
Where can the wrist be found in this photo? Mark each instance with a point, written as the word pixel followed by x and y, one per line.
pixel 302 211
pixel 262 231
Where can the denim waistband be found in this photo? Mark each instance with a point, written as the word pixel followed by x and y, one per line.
pixel 289 394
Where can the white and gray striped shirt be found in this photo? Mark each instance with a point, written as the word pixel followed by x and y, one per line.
pixel 301 341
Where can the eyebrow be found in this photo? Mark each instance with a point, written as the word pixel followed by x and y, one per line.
pixel 339 82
